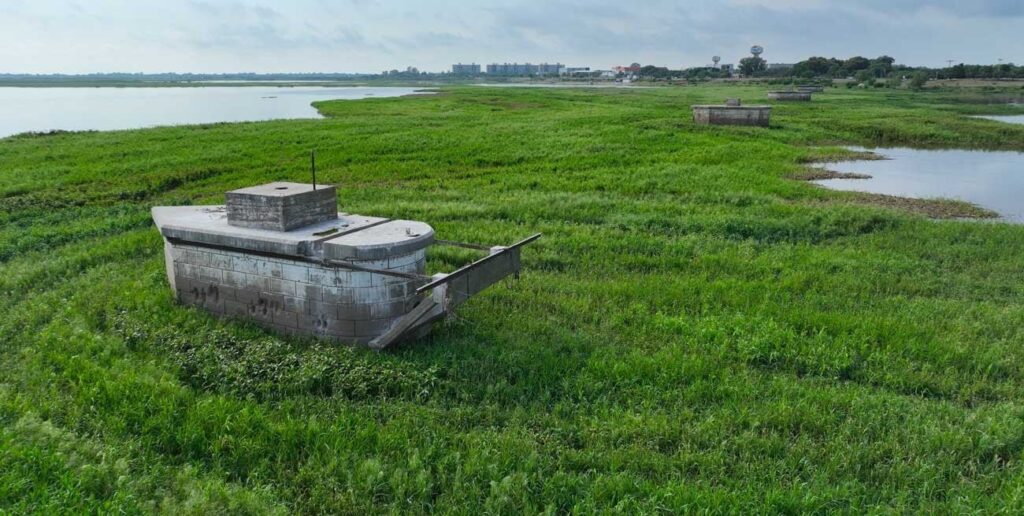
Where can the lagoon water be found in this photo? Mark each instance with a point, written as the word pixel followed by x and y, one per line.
pixel 993 180
pixel 1011 119
pixel 78 109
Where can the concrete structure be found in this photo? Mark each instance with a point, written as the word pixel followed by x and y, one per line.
pixel 510 69
pixel 790 96
pixel 550 69
pixel 281 206
pixel 465 69
pixel 525 69
pixel 732 113
pixel 810 89
pixel 352 278
pixel 632 69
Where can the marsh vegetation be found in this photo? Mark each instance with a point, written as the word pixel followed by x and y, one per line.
pixel 695 330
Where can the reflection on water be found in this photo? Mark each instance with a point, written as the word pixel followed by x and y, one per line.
pixel 994 180
pixel 78 109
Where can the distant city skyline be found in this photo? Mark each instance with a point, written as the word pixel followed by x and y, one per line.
pixel 367 36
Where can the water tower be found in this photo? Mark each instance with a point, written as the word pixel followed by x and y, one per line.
pixel 716 60
pixel 757 50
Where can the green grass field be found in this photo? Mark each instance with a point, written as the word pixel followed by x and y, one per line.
pixel 694 333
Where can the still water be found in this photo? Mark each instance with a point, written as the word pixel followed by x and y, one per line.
pixel 993 180
pixel 1011 119
pixel 78 109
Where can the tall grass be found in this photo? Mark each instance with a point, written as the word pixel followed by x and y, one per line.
pixel 695 331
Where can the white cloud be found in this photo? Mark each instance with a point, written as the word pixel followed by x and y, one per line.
pixel 371 35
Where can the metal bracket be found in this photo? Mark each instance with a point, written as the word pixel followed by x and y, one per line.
pixel 479 263
pixel 454 289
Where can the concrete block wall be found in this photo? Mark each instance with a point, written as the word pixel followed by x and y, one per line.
pixel 281 206
pixel 791 96
pixel 733 115
pixel 296 297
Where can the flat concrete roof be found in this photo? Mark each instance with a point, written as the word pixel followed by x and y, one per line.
pixel 349 237
pixel 278 189
pixel 393 238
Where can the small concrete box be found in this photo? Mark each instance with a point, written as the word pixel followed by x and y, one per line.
pixel 281 206
pixel 790 96
pixel 732 114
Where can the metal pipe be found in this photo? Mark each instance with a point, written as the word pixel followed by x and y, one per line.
pixel 312 164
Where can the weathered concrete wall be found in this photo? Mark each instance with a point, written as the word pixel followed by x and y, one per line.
pixel 790 96
pixel 281 206
pixel 733 115
pixel 296 297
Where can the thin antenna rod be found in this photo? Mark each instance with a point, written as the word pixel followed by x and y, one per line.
pixel 312 166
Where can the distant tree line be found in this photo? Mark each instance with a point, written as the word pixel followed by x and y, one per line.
pixel 965 71
pixel 863 69
pixel 814 67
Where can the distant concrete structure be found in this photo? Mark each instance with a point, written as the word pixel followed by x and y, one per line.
pixel 281 255
pixel 632 69
pixel 727 68
pixel 790 96
pixel 811 88
pixel 525 69
pixel 581 70
pixel 465 69
pixel 550 69
pixel 732 113
pixel 510 69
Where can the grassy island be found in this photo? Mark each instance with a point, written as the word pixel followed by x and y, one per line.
pixel 698 328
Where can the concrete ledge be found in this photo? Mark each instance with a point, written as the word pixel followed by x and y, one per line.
pixel 758 116
pixel 790 96
pixel 393 239
pixel 209 225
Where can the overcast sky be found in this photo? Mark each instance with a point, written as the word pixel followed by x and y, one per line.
pixel 81 36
